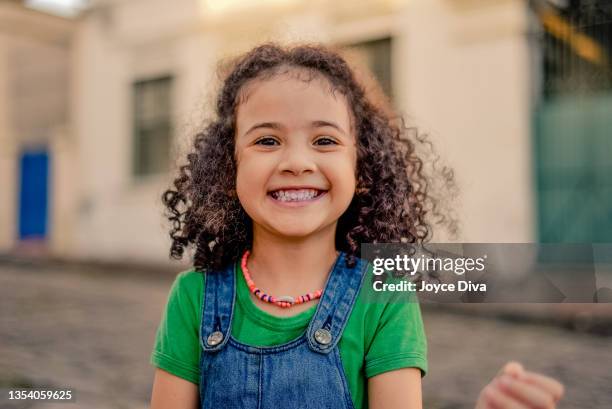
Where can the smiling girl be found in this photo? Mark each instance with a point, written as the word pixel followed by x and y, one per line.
pixel 297 170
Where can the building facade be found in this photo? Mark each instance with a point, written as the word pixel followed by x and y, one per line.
pixel 144 74
pixel 37 147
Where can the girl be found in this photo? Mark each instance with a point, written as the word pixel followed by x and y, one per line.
pixel 299 168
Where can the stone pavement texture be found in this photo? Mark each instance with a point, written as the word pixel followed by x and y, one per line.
pixel 93 330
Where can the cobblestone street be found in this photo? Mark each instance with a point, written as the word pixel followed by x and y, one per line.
pixel 93 332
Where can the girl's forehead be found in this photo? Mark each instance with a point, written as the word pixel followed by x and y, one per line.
pixel 292 96
pixel 295 80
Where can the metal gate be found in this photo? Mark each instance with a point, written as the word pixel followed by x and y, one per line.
pixel 573 121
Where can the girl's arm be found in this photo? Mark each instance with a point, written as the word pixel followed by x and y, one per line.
pixel 172 392
pixel 396 389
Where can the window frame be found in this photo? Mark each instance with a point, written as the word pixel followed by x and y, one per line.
pixel 139 168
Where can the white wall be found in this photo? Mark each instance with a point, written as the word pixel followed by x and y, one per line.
pixel 466 68
pixel 120 216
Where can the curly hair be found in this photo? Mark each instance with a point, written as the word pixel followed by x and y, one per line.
pixel 391 201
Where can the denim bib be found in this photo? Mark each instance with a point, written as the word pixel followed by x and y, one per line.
pixel 303 373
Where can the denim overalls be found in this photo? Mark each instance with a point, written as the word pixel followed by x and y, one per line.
pixel 303 373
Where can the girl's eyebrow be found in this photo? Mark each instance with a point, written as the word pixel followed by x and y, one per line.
pixel 278 126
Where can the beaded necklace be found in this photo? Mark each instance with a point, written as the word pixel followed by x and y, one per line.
pixel 284 301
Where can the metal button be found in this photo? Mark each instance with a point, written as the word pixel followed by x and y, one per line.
pixel 323 336
pixel 215 338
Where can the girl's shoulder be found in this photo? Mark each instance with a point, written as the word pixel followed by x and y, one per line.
pixel 191 276
pixel 187 286
pixel 375 303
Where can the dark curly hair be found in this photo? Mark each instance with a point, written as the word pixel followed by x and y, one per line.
pixel 391 201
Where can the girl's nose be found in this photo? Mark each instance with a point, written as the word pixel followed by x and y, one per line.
pixel 296 160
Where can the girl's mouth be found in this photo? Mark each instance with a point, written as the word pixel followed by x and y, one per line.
pixel 290 196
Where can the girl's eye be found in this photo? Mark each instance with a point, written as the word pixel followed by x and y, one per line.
pixel 266 141
pixel 325 141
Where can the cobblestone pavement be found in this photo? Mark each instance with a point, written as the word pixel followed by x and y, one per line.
pixel 93 332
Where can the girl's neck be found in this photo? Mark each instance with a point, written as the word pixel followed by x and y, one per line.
pixel 281 266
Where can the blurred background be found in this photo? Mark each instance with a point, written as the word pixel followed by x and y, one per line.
pixel 98 98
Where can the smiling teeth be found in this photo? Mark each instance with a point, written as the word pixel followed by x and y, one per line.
pixel 294 195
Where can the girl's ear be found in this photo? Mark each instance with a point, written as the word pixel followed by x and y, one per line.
pixel 232 193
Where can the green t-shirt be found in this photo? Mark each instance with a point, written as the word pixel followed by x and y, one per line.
pixel 378 337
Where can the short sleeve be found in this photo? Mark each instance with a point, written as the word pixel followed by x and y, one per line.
pixel 399 340
pixel 177 346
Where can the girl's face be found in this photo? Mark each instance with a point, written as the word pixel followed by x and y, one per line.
pixel 296 156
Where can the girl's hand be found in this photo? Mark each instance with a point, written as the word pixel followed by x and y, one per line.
pixel 516 388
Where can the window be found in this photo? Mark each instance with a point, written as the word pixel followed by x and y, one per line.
pixel 152 125
pixel 376 55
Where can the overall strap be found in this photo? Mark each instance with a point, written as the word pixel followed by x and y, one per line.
pixel 217 308
pixel 336 304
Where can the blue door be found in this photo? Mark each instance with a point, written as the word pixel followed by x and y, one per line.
pixel 33 194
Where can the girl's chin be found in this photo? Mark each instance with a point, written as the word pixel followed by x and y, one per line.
pixel 295 228
pixel 290 233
